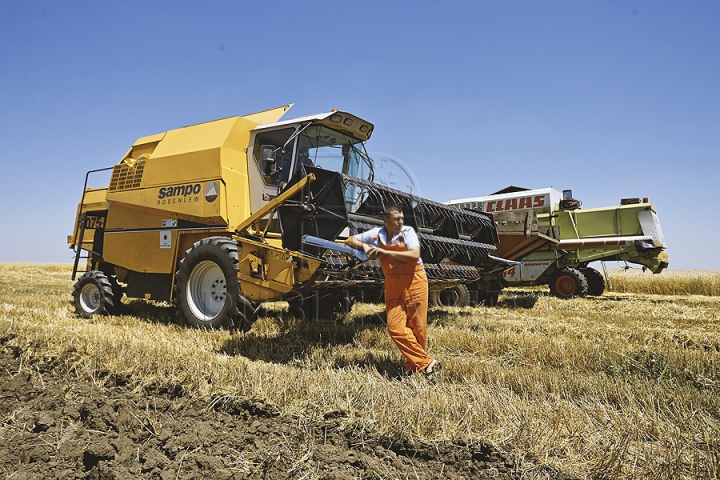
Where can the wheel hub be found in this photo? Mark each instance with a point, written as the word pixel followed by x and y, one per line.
pixel 90 297
pixel 449 297
pixel 565 285
pixel 207 290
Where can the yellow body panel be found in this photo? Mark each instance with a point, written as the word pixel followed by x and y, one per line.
pixel 195 153
pixel 142 208
pixel 266 273
pixel 174 171
pixel 141 251
pixel 93 200
pixel 269 116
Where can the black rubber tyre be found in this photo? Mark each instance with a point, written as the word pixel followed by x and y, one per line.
pixel 595 281
pixel 117 307
pixel 457 296
pixel 207 289
pixel 319 306
pixel 483 297
pixel 568 283
pixel 491 300
pixel 93 294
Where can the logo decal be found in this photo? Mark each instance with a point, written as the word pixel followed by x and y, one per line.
pixel 518 203
pixel 179 191
pixel 211 192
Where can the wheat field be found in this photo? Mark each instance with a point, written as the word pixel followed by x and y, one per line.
pixel 620 386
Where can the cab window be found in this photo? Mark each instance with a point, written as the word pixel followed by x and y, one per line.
pixel 273 155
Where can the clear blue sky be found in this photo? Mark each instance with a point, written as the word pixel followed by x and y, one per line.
pixel 609 98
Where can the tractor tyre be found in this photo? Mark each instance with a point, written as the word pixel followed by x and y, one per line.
pixel 491 300
pixel 595 281
pixel 568 283
pixel 117 307
pixel 484 297
pixel 457 296
pixel 320 307
pixel 207 288
pixel 93 294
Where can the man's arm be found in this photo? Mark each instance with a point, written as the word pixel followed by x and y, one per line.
pixel 410 255
pixel 371 251
pixel 354 243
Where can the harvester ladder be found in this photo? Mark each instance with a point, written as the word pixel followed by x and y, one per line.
pixel 78 247
pixel 81 231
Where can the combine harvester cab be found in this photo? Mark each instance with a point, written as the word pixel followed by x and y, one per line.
pixel 571 237
pixel 222 216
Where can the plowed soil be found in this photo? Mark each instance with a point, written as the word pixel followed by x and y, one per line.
pixel 54 425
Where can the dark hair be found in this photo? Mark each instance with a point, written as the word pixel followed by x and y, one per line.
pixel 392 208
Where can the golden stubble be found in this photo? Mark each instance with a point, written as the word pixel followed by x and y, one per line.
pixel 620 386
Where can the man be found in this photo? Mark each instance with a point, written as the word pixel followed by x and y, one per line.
pixel 406 286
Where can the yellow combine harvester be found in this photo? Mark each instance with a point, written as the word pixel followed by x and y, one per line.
pixel 222 216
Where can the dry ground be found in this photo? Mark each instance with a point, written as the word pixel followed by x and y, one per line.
pixel 621 386
pixel 58 426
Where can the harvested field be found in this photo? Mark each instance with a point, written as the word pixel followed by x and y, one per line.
pixel 620 386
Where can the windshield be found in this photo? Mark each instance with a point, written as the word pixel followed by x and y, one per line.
pixel 332 150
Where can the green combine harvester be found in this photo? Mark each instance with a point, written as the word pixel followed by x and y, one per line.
pixel 554 241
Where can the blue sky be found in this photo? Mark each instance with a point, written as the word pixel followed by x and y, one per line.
pixel 609 98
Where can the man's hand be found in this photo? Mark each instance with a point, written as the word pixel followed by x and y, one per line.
pixel 371 251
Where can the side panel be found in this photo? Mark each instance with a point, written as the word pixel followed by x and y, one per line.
pixel 650 225
pixel 620 221
pixel 195 153
pixel 93 206
pixel 526 271
pixel 196 173
pixel 147 251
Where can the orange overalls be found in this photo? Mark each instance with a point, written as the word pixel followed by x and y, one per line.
pixel 406 305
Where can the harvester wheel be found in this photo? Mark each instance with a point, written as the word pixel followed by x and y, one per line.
pixel 93 294
pixel 207 290
pixel 117 306
pixel 484 297
pixel 568 283
pixel 595 281
pixel 457 296
pixel 492 299
pixel 319 307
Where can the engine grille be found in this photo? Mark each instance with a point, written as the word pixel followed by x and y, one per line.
pixel 127 175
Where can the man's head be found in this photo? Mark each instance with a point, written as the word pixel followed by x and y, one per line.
pixel 393 219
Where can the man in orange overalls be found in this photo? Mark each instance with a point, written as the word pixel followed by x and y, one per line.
pixel 406 286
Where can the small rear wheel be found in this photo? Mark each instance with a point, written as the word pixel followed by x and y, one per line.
pixel 568 283
pixel 93 294
pixel 457 296
pixel 595 281
pixel 489 298
pixel 492 299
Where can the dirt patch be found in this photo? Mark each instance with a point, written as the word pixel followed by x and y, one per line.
pixel 54 425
